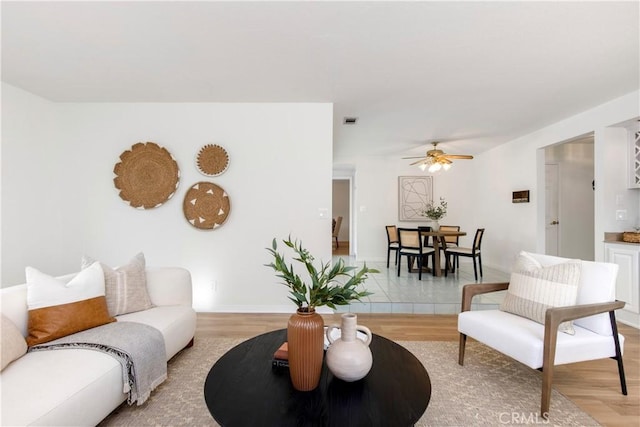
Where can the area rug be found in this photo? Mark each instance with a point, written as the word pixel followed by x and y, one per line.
pixel 490 390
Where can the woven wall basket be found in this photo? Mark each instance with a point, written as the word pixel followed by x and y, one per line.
pixel 206 205
pixel 631 237
pixel 147 175
pixel 212 160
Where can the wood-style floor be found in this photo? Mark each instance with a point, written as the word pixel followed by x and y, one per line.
pixel 593 386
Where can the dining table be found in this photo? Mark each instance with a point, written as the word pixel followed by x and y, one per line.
pixel 438 243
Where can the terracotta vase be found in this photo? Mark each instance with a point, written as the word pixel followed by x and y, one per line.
pixel 305 337
pixel 348 357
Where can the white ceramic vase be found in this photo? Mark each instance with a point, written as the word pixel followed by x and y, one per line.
pixel 349 357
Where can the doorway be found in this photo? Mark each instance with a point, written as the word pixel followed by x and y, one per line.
pixel 341 207
pixel 569 198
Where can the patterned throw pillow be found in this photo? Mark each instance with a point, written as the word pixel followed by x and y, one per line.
pixel 13 345
pixel 125 286
pixel 58 308
pixel 533 289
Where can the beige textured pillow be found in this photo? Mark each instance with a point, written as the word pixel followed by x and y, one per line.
pixel 125 286
pixel 12 343
pixel 58 308
pixel 532 289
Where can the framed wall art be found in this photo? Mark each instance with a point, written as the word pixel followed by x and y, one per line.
pixel 414 192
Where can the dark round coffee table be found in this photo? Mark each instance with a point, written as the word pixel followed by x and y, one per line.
pixel 244 389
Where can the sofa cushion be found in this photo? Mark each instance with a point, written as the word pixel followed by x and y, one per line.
pixel 523 340
pixel 58 308
pixel 61 388
pixel 14 345
pixel 125 286
pixel 534 288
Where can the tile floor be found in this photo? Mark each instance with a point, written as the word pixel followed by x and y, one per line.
pixel 431 295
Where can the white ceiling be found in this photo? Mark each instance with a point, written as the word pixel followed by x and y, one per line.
pixel 475 74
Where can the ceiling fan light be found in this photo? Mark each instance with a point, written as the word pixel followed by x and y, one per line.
pixel 423 166
pixel 435 167
pixel 446 166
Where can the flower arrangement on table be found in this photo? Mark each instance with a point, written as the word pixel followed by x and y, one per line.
pixel 435 212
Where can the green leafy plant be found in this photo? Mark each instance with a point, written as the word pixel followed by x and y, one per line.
pixel 435 212
pixel 324 288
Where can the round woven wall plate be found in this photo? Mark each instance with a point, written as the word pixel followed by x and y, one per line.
pixel 212 160
pixel 147 175
pixel 206 205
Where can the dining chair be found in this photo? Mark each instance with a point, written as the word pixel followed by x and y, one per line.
pixel 452 241
pixel 336 230
pixel 411 246
pixel 473 252
pixel 392 243
pixel 448 242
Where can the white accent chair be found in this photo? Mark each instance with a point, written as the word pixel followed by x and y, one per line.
pixel 542 346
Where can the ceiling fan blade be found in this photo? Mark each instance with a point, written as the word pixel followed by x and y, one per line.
pixel 415 157
pixel 419 162
pixel 458 156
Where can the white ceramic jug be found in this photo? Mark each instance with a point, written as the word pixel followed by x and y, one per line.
pixel 348 357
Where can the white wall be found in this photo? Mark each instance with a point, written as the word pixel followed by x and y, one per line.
pixel 59 201
pixel 479 191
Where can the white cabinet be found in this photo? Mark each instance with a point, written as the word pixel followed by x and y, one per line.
pixel 627 256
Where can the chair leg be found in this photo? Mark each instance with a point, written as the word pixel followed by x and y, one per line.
pixel 420 261
pixel 547 378
pixel 399 262
pixel 446 265
pixel 480 263
pixel 548 361
pixel 475 271
pixel 616 341
pixel 461 346
pixel 337 242
pixel 388 255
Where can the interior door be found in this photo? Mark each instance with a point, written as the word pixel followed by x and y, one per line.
pixel 552 224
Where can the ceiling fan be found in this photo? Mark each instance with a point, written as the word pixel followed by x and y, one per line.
pixel 436 159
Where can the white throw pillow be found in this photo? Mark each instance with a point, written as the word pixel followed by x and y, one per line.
pixel 534 288
pixel 125 286
pixel 13 345
pixel 58 308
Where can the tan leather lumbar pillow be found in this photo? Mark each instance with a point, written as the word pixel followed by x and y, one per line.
pixel 58 309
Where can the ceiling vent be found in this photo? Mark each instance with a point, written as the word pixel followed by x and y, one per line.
pixel 349 120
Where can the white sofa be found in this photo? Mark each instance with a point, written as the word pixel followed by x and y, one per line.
pixel 73 387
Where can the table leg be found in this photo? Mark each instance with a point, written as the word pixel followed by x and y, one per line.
pixel 436 257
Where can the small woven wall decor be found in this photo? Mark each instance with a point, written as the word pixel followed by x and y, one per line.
pixel 147 175
pixel 206 205
pixel 212 160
